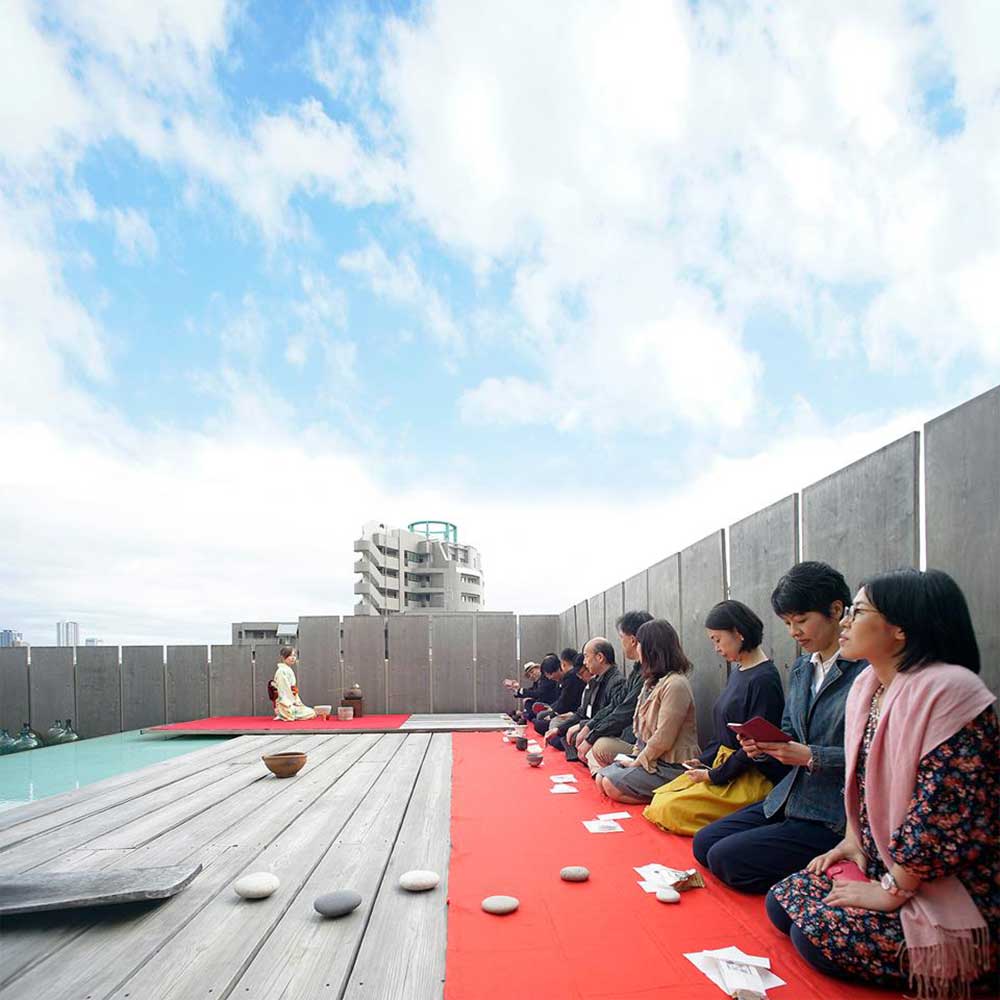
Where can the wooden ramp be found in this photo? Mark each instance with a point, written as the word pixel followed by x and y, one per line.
pixel 260 725
pixel 366 808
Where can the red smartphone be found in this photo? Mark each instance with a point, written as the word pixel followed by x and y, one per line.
pixel 846 871
pixel 761 730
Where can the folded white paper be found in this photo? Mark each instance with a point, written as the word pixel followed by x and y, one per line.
pixel 560 778
pixel 603 826
pixel 711 964
pixel 622 758
pixel 563 789
pixel 621 815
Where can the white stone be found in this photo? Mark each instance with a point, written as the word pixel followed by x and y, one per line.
pixel 256 885
pixel 668 895
pixel 574 873
pixel 500 904
pixel 418 880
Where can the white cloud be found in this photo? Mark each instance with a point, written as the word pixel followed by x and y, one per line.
pixel 134 235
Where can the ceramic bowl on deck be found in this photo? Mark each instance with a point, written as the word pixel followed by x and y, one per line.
pixel 521 742
pixel 323 711
pixel 534 759
pixel 345 713
pixel 284 765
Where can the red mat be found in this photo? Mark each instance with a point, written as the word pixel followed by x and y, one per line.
pixel 604 938
pixel 266 724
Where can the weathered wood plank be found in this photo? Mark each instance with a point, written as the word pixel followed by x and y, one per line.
pixel 53 961
pixel 229 936
pixel 415 923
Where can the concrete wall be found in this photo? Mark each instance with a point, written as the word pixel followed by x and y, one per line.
pixel 98 691
pixel 318 670
pixel 962 494
pixel 595 616
pixel 637 592
pixel 51 686
pixel 866 518
pixel 567 629
pixel 453 663
pixel 762 547
pixel 143 691
pixel 496 658
pixel 14 711
pixel 664 582
pixel 537 635
pixel 186 683
pixel 583 631
pixel 614 606
pixel 230 681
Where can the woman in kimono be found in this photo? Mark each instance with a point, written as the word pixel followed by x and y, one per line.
pixel 288 705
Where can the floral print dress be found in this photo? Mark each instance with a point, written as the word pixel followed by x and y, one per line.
pixel 951 828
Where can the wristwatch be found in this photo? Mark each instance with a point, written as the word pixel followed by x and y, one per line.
pixel 890 885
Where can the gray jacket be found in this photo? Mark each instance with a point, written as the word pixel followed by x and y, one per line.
pixel 817 722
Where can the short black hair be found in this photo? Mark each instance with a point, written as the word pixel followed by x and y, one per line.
pixel 735 616
pixel 568 655
pixel 932 611
pixel 630 622
pixel 606 650
pixel 550 664
pixel 578 661
pixel 810 586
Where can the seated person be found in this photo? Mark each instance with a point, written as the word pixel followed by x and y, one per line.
pixel 723 778
pixel 540 688
pixel 288 705
pixel 558 725
pixel 910 896
pixel 609 732
pixel 570 692
pixel 803 815
pixel 664 720
pixel 599 659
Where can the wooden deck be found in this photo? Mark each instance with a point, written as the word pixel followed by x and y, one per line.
pixel 366 808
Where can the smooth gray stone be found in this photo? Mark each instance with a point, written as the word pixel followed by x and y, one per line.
pixel 574 873
pixel 256 885
pixel 668 895
pixel 337 904
pixel 419 880
pixel 68 890
pixel 500 904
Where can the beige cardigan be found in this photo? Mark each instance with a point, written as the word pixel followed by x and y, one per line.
pixel 666 721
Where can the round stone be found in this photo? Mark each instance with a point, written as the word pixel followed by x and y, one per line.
pixel 500 904
pixel 418 880
pixel 256 885
pixel 668 895
pixel 574 873
pixel 337 904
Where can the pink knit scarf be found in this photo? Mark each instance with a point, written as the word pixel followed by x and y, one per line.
pixel 947 943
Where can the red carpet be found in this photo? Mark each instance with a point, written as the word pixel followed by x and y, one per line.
pixel 266 724
pixel 604 938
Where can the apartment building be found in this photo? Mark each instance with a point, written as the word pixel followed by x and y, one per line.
pixel 67 633
pixel 422 567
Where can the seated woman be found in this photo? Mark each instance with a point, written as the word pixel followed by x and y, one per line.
pixel 664 719
pixel 803 816
pixel 911 892
pixel 723 778
pixel 288 705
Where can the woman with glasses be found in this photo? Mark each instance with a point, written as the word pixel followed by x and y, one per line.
pixel 911 893
pixel 803 815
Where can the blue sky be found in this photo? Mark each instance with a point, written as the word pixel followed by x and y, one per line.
pixel 588 279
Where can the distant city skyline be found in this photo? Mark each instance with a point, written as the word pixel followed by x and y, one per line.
pixel 67 633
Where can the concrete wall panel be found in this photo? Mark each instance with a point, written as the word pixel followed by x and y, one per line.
pixel 496 658
pixel 230 681
pixel 538 635
pixel 614 607
pixel 865 518
pixel 962 495
pixel 265 661
pixel 409 663
pixel 98 691
pixel 453 666
pixel 187 683
pixel 51 685
pixel 583 632
pixel 762 547
pixel 703 584
pixel 595 616
pixel 13 688
pixel 143 690
pixel 637 592
pixel 364 660
pixel 567 629
pixel 319 671
pixel 664 581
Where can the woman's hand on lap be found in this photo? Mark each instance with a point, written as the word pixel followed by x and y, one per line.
pixel 846 850
pixel 796 754
pixel 698 774
pixel 863 896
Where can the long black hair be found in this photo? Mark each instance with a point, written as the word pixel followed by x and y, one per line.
pixel 931 610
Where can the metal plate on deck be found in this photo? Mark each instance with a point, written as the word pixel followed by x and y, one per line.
pixel 69 890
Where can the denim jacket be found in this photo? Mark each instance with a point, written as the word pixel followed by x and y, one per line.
pixel 817 722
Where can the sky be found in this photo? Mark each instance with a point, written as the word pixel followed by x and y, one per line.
pixel 589 279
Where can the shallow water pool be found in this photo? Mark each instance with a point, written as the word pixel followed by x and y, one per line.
pixel 34 774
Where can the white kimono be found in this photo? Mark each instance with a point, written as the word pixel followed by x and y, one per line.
pixel 289 705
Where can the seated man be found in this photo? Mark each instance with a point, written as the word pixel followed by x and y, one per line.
pixel 532 675
pixel 570 692
pixel 599 659
pixel 288 705
pixel 609 732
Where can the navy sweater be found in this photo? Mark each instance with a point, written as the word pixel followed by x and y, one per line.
pixel 749 693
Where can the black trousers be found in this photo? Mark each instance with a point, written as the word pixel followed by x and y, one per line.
pixel 750 852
